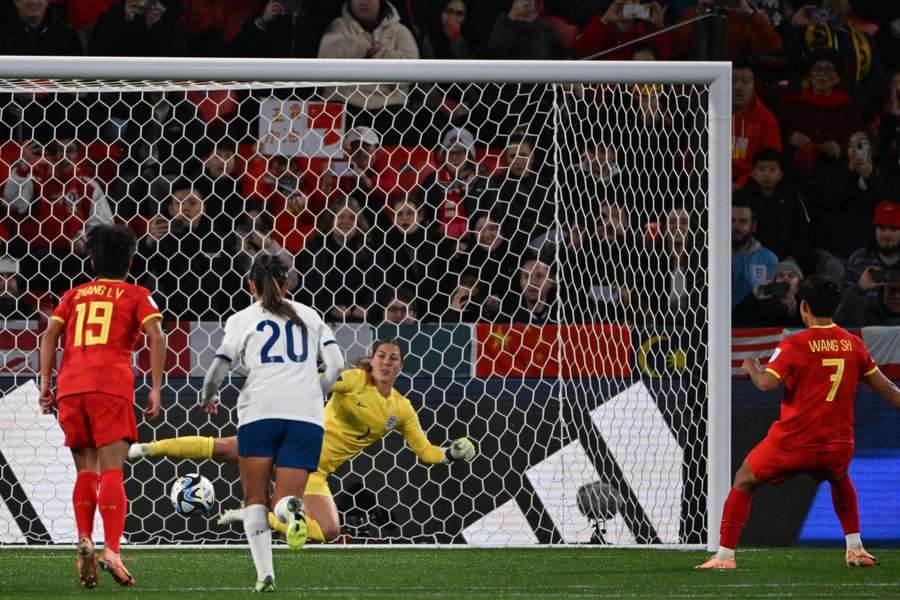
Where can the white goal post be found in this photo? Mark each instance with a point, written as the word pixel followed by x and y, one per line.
pixel 711 87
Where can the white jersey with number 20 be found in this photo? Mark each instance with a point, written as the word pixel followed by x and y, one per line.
pixel 281 359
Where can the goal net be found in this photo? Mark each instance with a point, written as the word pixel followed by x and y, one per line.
pixel 541 238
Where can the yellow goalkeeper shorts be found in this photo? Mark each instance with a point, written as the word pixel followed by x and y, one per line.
pixel 317 484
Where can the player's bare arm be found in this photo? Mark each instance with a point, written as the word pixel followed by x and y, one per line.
pixel 762 379
pixel 877 381
pixel 49 343
pixel 157 339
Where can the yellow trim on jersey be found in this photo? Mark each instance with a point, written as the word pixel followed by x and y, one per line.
pixel 152 316
pixel 870 371
pixel 773 372
pixel 823 326
pixel 112 280
pixel 60 319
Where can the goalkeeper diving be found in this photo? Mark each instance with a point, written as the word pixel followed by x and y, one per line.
pixel 363 408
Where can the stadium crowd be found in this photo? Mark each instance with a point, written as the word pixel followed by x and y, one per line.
pixel 445 205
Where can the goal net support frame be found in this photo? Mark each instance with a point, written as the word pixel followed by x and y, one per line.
pixel 717 76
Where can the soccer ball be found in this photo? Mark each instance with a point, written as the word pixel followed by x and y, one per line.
pixel 193 494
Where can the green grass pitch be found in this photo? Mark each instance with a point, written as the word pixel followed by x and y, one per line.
pixel 475 574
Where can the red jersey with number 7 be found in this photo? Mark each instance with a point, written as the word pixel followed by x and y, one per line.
pixel 820 368
pixel 103 320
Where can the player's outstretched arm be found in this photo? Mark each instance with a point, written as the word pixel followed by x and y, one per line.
pixel 764 380
pixel 49 342
pixel 154 332
pixel 882 385
pixel 334 364
pixel 209 395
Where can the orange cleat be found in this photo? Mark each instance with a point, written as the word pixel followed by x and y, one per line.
pixel 717 563
pixel 86 563
pixel 111 562
pixel 857 557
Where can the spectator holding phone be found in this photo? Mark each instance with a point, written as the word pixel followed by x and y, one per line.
pixel 140 28
pixel 850 196
pixel 520 35
pixel 284 29
pixel 773 303
pixel 623 22
pixel 873 265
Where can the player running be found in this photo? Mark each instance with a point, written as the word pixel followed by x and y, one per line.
pixel 280 408
pixel 820 368
pixel 95 390
pixel 364 407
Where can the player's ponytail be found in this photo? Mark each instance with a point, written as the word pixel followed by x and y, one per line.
pixel 365 363
pixel 269 274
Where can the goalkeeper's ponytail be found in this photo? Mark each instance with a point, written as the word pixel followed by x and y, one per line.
pixel 269 275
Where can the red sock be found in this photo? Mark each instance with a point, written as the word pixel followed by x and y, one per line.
pixel 737 509
pixel 113 506
pixel 84 499
pixel 843 496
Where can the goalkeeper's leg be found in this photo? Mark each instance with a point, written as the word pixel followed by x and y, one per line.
pixel 191 447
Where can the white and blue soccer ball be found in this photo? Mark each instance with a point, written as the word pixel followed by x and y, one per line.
pixel 193 495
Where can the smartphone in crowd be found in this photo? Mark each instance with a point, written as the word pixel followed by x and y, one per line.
pixel 636 11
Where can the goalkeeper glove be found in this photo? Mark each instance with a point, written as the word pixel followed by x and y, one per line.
pixel 461 449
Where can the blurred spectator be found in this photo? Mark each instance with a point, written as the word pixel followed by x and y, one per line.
pixel 753 125
pixel 159 131
pixel 13 305
pixel 414 256
pixel 818 119
pixel 368 179
pixel 889 128
pixel 829 26
pixel 486 254
pixel 52 202
pixel 400 308
pixel 284 29
pixel 783 221
pixel 751 263
pixel 455 191
pixel 521 195
pixel 465 298
pixel 873 265
pixel 624 21
pixel 749 32
pixel 140 28
pixel 772 303
pixel 850 196
pixel 220 185
pixel 342 275
pixel 178 250
pixel 82 16
pixel 369 29
pixel 673 278
pixel 445 36
pixel 885 309
pixel 532 300
pixel 31 29
pixel 520 35
pixel 250 235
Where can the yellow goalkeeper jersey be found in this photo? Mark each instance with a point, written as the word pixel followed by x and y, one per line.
pixel 357 415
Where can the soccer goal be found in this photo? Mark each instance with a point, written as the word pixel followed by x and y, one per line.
pixel 547 241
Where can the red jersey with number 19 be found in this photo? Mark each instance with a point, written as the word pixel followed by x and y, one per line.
pixel 820 368
pixel 103 320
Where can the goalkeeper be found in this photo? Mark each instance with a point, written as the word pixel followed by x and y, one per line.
pixel 364 407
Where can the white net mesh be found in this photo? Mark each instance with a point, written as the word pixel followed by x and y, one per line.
pixel 539 250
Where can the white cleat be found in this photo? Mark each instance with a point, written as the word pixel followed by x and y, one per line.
pixel 136 451
pixel 232 515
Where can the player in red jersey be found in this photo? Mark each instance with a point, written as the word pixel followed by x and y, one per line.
pixel 101 320
pixel 820 368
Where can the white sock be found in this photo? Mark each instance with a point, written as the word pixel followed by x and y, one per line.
pixel 725 553
pixel 853 541
pixel 259 536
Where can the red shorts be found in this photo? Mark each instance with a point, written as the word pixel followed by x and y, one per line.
pixel 93 420
pixel 773 464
